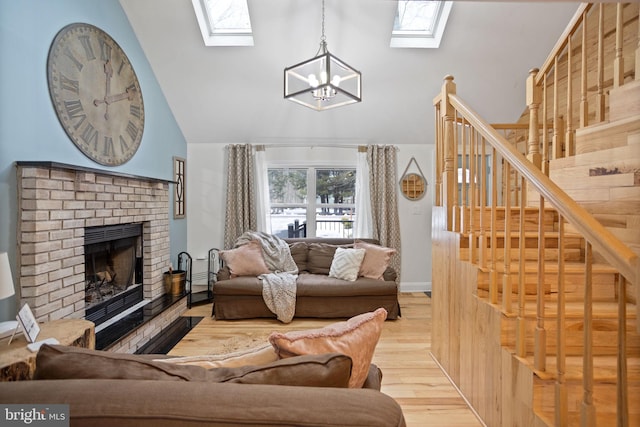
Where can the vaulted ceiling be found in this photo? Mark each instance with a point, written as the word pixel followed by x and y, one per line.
pixel 235 94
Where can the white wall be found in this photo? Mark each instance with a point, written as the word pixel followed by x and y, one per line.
pixel 206 183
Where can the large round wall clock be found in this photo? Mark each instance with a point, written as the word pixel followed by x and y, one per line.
pixel 96 94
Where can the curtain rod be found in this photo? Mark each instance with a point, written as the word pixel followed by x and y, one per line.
pixel 360 148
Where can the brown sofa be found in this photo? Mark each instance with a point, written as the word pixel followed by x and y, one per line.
pixel 110 389
pixel 318 295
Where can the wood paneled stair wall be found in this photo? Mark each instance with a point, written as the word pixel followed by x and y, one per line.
pixel 536 237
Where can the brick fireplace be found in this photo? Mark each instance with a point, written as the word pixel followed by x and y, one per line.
pixel 57 202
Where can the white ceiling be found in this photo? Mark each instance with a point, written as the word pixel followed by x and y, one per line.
pixel 235 94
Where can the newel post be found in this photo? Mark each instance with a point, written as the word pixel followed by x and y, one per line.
pixel 447 113
pixel 533 97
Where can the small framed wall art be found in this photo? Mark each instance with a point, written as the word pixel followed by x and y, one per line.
pixel 179 194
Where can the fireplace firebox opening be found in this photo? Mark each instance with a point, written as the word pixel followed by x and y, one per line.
pixel 113 270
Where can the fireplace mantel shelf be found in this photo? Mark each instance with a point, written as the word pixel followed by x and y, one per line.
pixel 57 165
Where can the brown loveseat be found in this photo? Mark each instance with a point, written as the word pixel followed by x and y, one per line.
pixel 318 295
pixel 110 389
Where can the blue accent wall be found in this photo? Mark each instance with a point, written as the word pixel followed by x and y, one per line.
pixel 29 128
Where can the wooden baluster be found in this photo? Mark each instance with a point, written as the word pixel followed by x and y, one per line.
pixel 540 354
pixel 600 74
pixel 545 129
pixel 588 411
pixel 482 203
pixel 457 209
pixel 506 276
pixel 465 190
pixel 521 340
pixel 622 391
pixel 439 157
pixel 584 103
pixel 557 120
pixel 561 415
pixel 533 102
pixel 618 62
pixel 637 69
pixel 473 247
pixel 570 135
pixel 493 284
pixel 522 266
pixel 449 183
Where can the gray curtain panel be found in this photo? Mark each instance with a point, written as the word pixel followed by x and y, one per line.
pixel 384 199
pixel 241 214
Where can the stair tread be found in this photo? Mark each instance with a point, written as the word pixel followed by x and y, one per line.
pixel 604 370
pixel 551 267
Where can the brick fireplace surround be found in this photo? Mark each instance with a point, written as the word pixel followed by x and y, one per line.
pixel 56 203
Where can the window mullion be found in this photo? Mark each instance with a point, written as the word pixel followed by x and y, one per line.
pixel 311 202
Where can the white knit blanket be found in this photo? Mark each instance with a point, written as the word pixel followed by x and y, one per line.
pixel 279 286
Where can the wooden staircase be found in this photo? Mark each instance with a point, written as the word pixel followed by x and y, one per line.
pixel 536 253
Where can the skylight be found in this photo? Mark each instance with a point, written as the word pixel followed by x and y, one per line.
pixel 420 23
pixel 224 22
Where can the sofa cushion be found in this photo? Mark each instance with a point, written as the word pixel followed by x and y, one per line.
pixel 299 253
pixel 376 259
pixel 346 263
pixel 259 355
pixel 316 370
pixel 63 362
pixel 320 257
pixel 356 337
pixel 318 285
pixel 245 260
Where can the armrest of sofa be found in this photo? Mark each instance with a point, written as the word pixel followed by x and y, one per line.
pixel 215 266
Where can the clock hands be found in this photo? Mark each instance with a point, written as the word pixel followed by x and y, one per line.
pixel 110 99
pixel 108 70
pixel 128 94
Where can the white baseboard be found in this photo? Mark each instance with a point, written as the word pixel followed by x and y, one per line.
pixel 415 286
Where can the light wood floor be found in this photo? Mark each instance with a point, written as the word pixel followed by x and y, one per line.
pixel 410 375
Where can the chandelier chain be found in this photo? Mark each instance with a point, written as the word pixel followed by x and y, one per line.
pixel 323 38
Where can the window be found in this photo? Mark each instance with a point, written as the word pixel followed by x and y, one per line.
pixel 420 23
pixel 224 22
pixel 312 201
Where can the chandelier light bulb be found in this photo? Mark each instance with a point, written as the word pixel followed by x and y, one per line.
pixel 313 80
pixel 336 80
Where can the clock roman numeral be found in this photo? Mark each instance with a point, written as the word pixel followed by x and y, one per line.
pixel 109 149
pixel 68 84
pixel 75 111
pixel 90 135
pixel 69 54
pixel 121 67
pixel 105 50
pixel 134 110
pixel 124 147
pixel 132 130
pixel 88 49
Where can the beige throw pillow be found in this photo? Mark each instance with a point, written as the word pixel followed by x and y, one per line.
pixel 245 260
pixel 356 337
pixel 346 264
pixel 376 259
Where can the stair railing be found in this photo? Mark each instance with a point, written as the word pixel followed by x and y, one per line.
pixel 472 155
pixel 569 91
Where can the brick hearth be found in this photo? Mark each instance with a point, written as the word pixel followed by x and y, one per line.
pixel 56 203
